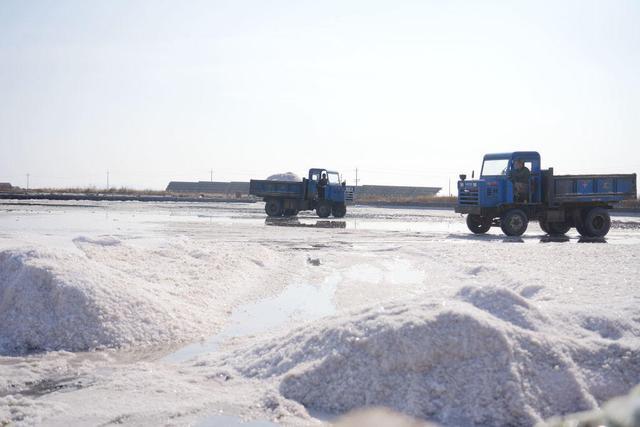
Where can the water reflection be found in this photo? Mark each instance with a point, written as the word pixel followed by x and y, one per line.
pixel 561 238
pixel 583 239
pixel 555 238
pixel 512 239
pixel 295 222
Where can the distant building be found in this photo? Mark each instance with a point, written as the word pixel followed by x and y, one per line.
pixel 395 191
pixel 5 186
pixel 235 188
pixel 210 187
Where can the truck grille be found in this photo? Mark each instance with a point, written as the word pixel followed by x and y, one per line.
pixel 467 197
pixel 349 193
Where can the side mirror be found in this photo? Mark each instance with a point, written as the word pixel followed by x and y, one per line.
pixel 463 176
pixel 473 174
pixel 344 183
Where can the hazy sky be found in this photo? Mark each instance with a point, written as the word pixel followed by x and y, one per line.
pixel 410 92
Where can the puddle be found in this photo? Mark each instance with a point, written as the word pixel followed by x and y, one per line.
pixel 297 302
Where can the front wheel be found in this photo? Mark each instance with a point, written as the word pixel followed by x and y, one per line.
pixel 514 222
pixel 478 224
pixel 339 210
pixel 597 222
pixel 323 210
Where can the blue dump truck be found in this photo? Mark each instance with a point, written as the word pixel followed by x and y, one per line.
pixel 556 202
pixel 321 191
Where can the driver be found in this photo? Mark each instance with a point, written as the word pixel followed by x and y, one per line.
pixel 322 184
pixel 520 178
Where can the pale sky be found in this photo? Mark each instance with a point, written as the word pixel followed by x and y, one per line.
pixel 409 92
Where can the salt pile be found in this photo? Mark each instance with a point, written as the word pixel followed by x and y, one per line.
pixel 286 176
pixel 486 357
pixel 52 301
pixel 108 294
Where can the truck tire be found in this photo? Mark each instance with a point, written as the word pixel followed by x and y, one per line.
pixel 578 222
pixel 558 227
pixel 597 222
pixel 273 208
pixel 514 222
pixel 543 226
pixel 478 224
pixel 339 210
pixel 323 210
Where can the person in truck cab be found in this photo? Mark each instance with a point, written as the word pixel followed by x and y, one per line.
pixel 520 178
pixel 322 184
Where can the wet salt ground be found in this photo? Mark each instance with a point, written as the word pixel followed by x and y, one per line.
pixel 148 225
pixel 298 301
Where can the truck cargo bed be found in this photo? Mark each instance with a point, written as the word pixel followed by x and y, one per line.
pixel 592 188
pixel 281 189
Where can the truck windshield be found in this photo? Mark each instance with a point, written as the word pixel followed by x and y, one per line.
pixel 334 178
pixel 495 167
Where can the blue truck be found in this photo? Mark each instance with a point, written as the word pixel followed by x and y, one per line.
pixel 557 202
pixel 321 191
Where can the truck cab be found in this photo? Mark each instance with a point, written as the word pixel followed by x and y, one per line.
pixel 557 202
pixel 494 188
pixel 331 190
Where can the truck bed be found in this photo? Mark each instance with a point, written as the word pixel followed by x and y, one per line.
pixel 591 188
pixel 277 189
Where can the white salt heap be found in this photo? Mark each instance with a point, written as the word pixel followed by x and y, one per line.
pixel 108 294
pixel 486 357
pixel 285 176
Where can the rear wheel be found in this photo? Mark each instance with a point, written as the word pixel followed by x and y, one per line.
pixel 597 222
pixel 339 210
pixel 543 226
pixel 478 224
pixel 514 222
pixel 323 210
pixel 273 208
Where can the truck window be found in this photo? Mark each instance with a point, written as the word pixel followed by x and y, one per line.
pixel 334 178
pixel 495 167
pixel 314 177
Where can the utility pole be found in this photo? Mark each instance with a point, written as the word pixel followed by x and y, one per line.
pixel 356 177
pixel 108 181
pixel 27 182
pixel 211 175
pixel 449 186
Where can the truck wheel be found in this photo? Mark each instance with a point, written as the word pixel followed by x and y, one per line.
pixel 339 210
pixel 543 226
pixel 558 227
pixel 514 222
pixel 478 224
pixel 273 208
pixel 597 222
pixel 578 222
pixel 323 210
